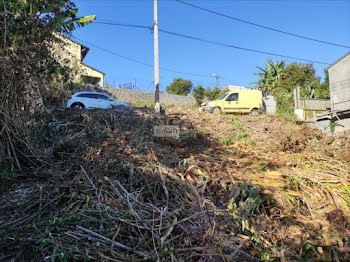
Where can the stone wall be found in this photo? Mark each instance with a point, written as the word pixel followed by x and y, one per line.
pixel 131 96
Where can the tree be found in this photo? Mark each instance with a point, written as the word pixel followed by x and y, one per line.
pixel 180 86
pixel 198 93
pixel 322 90
pixel 270 77
pixel 26 66
pixel 304 76
pixel 212 94
pixel 281 80
pixel 215 93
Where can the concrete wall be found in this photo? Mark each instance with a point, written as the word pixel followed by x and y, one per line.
pixel 270 104
pixel 341 126
pixel 339 83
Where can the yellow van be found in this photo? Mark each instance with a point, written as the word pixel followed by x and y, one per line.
pixel 240 101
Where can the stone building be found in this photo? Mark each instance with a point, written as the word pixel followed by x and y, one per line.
pixel 71 54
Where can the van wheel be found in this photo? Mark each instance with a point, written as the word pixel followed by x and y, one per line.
pixel 78 106
pixel 217 110
pixel 254 112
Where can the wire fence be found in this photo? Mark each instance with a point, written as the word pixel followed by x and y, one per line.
pixel 129 85
pixel 123 85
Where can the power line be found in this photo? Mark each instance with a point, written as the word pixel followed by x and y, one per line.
pixel 261 26
pixel 218 43
pixel 238 47
pixel 114 53
pixel 137 61
pixel 121 24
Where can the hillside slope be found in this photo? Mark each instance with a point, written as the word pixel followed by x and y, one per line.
pixel 230 188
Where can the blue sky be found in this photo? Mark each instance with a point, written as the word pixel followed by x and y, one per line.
pixel 321 19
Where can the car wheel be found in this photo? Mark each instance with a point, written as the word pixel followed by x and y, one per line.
pixel 217 110
pixel 78 106
pixel 254 112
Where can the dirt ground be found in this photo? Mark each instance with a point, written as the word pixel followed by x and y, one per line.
pixel 229 188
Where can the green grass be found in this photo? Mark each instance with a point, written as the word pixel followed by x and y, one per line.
pixel 288 115
pixel 142 103
pixel 239 136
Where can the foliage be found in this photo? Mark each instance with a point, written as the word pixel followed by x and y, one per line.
pixel 201 94
pixel 180 86
pixel 332 125
pixel 304 75
pixel 270 77
pixel 216 93
pixel 212 94
pixel 323 89
pixel 281 80
pixel 198 93
pixel 142 103
pixel 27 67
pixel 240 134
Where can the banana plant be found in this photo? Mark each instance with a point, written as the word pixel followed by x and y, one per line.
pixel 60 14
pixel 75 23
pixel 271 75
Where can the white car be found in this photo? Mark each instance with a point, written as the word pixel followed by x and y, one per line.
pixel 82 100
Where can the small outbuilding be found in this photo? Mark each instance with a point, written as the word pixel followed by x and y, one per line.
pixel 339 83
pixel 338 119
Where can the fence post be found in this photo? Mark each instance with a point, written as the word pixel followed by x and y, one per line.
pixel 298 97
pixel 295 98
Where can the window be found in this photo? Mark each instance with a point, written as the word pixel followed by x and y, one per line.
pixel 232 97
pixel 87 95
pixel 103 97
pixel 222 96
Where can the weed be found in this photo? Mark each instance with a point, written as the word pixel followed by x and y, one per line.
pixel 229 140
pixel 142 103
pixel 265 256
pixel 87 118
pixel 149 122
pixel 240 135
pixel 186 137
pixel 332 126
pixel 237 122
pixel 314 141
pixel 290 116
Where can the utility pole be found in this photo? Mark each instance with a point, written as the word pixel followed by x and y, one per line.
pixel 156 60
pixel 217 79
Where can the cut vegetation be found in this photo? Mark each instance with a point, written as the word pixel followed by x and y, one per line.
pixel 243 188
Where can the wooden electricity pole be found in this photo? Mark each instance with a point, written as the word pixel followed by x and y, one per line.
pixel 217 79
pixel 156 60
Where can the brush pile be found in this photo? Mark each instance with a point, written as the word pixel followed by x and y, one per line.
pixel 108 190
